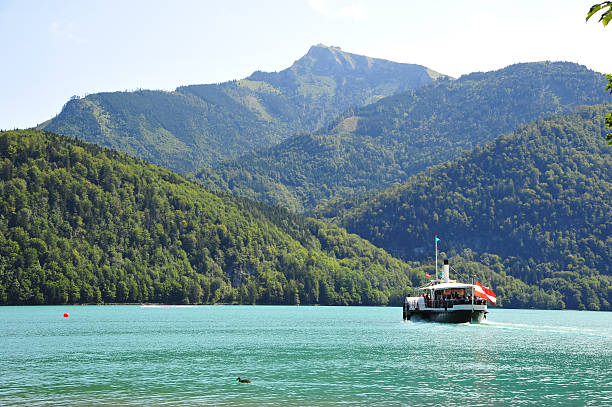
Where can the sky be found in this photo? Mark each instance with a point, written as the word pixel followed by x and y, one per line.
pixel 51 50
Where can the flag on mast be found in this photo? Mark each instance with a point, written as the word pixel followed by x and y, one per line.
pixel 484 293
pixel 437 239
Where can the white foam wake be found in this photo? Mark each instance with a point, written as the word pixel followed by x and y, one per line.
pixel 546 328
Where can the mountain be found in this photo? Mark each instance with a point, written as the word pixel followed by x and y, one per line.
pixel 199 125
pixel 377 145
pixel 538 198
pixel 81 223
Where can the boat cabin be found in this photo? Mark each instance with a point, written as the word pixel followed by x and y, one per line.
pixel 447 294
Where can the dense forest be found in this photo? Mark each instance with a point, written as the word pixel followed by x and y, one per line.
pixel 198 125
pixel 372 147
pixel 81 223
pixel 539 199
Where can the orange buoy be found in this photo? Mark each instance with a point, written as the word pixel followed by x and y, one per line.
pixel 66 315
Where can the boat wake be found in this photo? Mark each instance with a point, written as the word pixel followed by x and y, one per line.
pixel 570 330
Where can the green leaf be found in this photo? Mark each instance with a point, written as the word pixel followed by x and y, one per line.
pixel 594 9
pixel 606 17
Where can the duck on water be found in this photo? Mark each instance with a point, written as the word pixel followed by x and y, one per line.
pixel 446 300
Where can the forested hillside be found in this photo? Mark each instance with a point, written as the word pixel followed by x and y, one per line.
pixel 538 198
pixel 198 125
pixel 83 224
pixel 377 145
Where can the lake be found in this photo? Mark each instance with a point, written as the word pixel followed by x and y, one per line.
pixel 296 356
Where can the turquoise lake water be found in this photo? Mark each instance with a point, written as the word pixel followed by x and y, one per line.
pixel 299 356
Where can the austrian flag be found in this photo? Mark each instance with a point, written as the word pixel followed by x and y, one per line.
pixel 484 293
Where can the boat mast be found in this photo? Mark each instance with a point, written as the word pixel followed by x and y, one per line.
pixel 436 239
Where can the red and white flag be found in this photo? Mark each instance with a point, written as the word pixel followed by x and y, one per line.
pixel 484 293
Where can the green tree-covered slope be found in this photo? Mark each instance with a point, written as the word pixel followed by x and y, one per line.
pixel 83 224
pixel 374 146
pixel 198 125
pixel 538 198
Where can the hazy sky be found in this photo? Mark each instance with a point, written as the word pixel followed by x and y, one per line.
pixel 52 49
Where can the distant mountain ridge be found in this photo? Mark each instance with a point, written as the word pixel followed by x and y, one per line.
pixel 198 125
pixel 323 70
pixel 371 147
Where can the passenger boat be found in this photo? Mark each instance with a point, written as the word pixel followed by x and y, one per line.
pixel 446 300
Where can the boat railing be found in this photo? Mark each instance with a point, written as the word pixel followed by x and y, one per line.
pixel 450 302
